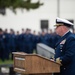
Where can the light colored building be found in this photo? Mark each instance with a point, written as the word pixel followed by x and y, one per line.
pixel 31 19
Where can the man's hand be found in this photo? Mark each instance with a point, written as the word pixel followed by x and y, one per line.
pixel 58 61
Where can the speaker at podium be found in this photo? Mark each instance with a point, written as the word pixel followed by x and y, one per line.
pixel 36 64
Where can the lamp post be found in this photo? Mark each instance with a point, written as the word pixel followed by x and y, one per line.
pixel 58 8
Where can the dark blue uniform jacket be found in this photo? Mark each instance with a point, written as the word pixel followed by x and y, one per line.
pixel 65 49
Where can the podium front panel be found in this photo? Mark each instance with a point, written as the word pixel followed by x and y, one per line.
pixel 34 64
pixel 19 63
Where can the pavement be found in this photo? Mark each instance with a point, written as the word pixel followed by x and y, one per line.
pixel 6 71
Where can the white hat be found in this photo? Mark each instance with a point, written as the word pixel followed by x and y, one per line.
pixel 65 22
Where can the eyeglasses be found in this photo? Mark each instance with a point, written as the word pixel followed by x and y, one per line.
pixel 58 25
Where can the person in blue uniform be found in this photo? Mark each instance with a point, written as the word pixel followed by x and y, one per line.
pixel 12 45
pixel 34 40
pixel 44 38
pixel 2 46
pixel 54 39
pixel 28 41
pixel 21 41
pixel 65 47
pixel 6 42
pixel 17 41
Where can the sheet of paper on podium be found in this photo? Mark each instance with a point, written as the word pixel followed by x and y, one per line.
pixel 45 50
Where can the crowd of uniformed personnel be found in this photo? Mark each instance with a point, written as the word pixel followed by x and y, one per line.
pixel 23 42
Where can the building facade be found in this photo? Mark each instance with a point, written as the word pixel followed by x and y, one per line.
pixel 32 18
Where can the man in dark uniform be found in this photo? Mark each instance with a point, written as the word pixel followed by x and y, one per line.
pixel 21 41
pixel 6 42
pixel 28 39
pixel 34 40
pixel 44 38
pixel 2 47
pixel 17 41
pixel 12 45
pixel 54 39
pixel 65 48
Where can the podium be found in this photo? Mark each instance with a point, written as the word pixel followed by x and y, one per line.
pixel 34 64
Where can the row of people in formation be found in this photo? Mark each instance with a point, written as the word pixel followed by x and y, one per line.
pixel 24 42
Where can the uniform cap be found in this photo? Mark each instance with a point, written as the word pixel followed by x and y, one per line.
pixel 65 22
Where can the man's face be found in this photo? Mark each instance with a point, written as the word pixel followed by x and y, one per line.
pixel 58 30
pixel 1 32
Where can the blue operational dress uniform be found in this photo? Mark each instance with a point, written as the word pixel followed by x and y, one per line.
pixel 49 40
pixel 54 39
pixel 17 42
pixel 65 51
pixel 12 45
pixel 2 48
pixel 34 41
pixel 22 42
pixel 44 38
pixel 6 42
pixel 12 42
pixel 28 39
